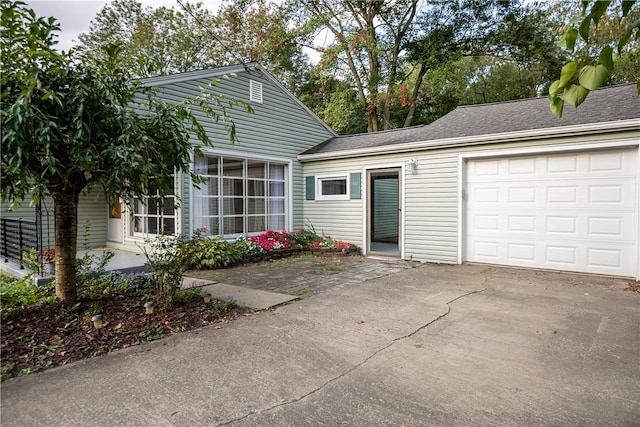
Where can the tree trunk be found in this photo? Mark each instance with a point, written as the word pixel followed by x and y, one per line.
pixel 414 96
pixel 66 232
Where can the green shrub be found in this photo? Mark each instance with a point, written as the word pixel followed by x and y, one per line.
pixel 16 294
pixel 208 254
pixel 93 287
pixel 166 265
pixel 244 247
pixel 304 238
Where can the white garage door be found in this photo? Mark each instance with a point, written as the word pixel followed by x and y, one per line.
pixel 570 211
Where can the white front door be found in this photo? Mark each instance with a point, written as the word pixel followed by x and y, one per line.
pixel 570 211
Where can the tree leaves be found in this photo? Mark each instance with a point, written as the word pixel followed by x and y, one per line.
pixel 575 94
pixel 72 122
pixel 590 77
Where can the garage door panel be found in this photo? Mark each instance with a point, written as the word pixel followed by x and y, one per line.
pixel 574 212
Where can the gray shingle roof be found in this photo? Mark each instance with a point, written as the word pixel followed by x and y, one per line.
pixel 609 104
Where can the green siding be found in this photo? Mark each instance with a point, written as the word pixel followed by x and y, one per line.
pixel 430 196
pixel 92 213
pixel 279 128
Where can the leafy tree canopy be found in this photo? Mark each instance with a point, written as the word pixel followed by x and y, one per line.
pixel 172 40
pixel 73 122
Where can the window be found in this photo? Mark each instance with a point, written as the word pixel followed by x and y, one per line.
pixel 332 188
pixel 239 196
pixel 153 214
pixel 255 91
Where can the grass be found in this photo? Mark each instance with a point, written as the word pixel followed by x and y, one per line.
pixel 300 292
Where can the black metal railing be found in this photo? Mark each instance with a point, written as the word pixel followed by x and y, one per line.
pixel 19 236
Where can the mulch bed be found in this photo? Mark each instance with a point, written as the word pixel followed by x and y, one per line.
pixel 53 334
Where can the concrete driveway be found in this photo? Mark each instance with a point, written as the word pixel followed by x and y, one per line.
pixel 431 345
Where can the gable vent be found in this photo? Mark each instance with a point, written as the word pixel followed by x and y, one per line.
pixel 255 91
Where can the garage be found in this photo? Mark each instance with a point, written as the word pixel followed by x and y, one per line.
pixel 572 211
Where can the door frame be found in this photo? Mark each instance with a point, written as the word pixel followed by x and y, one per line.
pixel 366 200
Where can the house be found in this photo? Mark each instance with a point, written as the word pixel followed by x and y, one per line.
pixel 504 183
pixel 250 187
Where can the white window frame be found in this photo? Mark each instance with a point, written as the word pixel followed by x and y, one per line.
pixel 286 197
pixel 321 179
pixel 133 235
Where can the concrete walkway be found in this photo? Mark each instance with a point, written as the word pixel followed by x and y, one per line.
pixel 433 345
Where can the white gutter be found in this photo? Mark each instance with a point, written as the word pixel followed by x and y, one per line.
pixel 563 131
pixel 198 74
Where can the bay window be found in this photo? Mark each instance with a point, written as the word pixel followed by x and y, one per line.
pixel 239 196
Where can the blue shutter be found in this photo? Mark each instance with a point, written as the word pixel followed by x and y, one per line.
pixel 355 179
pixel 310 191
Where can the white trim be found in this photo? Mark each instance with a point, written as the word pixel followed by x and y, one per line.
pixel 364 188
pixel 518 151
pixel 288 178
pixel 528 135
pixel 555 149
pixel 242 155
pixel 638 214
pixel 288 208
pixel 336 177
pixel 365 203
pixel 461 205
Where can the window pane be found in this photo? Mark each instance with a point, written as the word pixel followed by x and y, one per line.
pixel 255 188
pixel 232 206
pixel 232 225
pixel 256 224
pixel 205 206
pixel 212 224
pixel 276 206
pixel 152 206
pixel 334 187
pixel 232 187
pixel 212 166
pixel 168 225
pixel 276 222
pixel 206 165
pixel 276 171
pixel 137 224
pixel 138 207
pixel 208 187
pixel 169 207
pixel 276 188
pixel 256 169
pixel 256 206
pixel 152 223
pixel 232 167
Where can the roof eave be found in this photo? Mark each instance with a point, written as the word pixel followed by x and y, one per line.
pixel 198 74
pixel 564 131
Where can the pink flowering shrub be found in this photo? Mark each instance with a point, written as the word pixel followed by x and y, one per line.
pixel 275 240
pixel 272 240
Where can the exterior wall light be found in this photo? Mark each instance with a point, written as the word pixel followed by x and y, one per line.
pixel 412 165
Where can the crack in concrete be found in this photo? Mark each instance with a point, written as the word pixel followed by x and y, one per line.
pixel 353 368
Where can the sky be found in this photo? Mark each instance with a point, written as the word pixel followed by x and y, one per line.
pixel 74 16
